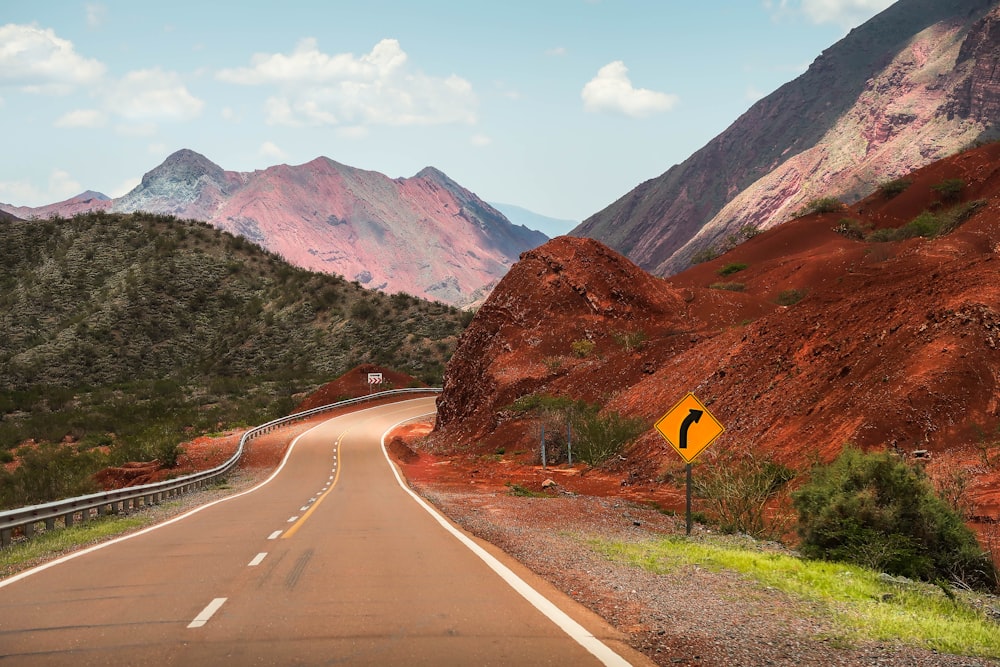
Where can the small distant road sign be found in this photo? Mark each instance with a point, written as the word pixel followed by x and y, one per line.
pixel 689 427
pixel 374 378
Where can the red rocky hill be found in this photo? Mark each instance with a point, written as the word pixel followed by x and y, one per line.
pixel 891 344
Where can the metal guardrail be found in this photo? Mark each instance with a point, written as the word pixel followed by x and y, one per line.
pixel 80 508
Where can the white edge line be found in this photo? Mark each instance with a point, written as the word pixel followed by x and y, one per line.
pixel 76 554
pixel 206 613
pixel 577 632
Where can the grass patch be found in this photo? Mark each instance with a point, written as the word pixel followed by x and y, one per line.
pixel 730 287
pixel 863 604
pixel 731 268
pixel 52 543
pixel 790 297
pixel 524 492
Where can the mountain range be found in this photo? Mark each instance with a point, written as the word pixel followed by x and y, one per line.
pixel 916 83
pixel 425 235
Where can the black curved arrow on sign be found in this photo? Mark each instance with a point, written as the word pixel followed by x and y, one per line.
pixel 692 418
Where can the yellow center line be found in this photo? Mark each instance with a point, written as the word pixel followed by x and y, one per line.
pixel 302 519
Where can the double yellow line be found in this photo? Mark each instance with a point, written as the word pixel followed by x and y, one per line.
pixel 336 477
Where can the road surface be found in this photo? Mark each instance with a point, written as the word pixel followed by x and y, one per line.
pixel 330 562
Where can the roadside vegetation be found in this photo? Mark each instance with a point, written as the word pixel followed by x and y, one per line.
pixel 123 335
pixel 52 543
pixel 862 603
pixel 578 427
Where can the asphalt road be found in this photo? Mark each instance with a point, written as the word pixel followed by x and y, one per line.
pixel 330 562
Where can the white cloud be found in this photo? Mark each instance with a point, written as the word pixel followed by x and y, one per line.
pixel 61 186
pixel 378 88
pixel 845 13
pixel 158 148
pixel 271 151
pixel 151 95
pixel 36 61
pixel 557 51
pixel 612 90
pixel 96 13
pixel 82 118
pixel 480 140
pixel 229 114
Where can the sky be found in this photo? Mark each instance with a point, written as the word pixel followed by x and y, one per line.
pixel 557 106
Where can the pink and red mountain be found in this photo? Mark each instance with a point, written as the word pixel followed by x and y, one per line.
pixel 425 235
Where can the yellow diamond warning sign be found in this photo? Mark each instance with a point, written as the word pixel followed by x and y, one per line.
pixel 689 427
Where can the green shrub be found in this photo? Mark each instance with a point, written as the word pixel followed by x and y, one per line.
pixel 824 205
pixel 896 186
pixel 949 189
pixel 731 268
pixel 739 490
pixel 731 287
pixel 545 403
pixel 630 340
pixel 597 438
pixel 790 297
pixel 876 511
pixel 925 225
pixel 46 472
pixel 582 348
pixel 704 255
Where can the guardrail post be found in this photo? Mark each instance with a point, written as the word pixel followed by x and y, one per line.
pixel 68 519
pixel 29 529
pixel 5 537
pixel 50 523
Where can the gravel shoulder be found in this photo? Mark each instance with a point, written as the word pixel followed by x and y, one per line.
pixel 692 616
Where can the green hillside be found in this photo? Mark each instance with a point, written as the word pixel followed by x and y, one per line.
pixel 138 330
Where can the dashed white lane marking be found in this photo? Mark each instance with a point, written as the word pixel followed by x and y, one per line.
pixel 206 613
pixel 258 559
pixel 331 477
pixel 293 519
pixel 275 535
pixel 303 508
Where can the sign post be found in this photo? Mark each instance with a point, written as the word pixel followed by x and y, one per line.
pixel 689 428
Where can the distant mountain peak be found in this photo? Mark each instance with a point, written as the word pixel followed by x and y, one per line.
pixel 91 195
pixel 433 174
pixel 186 183
pixel 186 163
